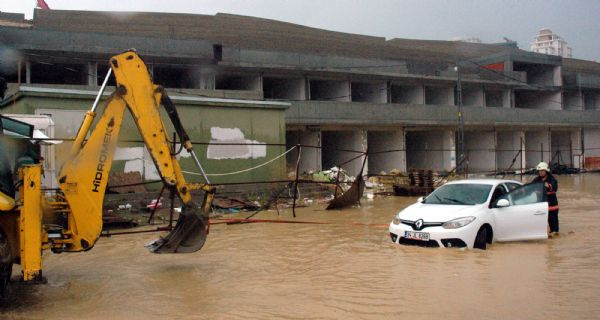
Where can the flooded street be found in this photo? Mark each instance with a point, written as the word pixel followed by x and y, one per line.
pixel 346 268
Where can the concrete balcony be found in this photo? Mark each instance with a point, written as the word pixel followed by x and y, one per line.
pixel 373 114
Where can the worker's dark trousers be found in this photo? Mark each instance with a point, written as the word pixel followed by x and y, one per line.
pixel 553 220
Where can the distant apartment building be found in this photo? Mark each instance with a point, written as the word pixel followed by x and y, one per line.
pixel 548 42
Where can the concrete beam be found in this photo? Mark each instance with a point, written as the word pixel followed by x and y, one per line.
pixel 366 114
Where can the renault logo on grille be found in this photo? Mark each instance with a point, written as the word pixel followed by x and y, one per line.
pixel 419 224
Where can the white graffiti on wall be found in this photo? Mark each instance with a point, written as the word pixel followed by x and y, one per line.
pixel 233 136
pixel 139 159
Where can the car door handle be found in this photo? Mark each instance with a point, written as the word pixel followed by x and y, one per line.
pixel 539 213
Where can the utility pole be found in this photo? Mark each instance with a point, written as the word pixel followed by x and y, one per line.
pixel 460 134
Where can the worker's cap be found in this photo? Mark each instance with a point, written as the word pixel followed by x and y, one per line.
pixel 542 166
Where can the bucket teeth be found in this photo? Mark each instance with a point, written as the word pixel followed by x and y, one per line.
pixel 188 235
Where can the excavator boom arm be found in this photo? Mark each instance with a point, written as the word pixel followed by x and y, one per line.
pixel 84 177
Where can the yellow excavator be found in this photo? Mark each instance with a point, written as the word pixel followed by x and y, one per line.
pixel 71 219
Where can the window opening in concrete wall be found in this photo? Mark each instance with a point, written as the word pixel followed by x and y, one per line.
pixel 562 148
pixel 472 96
pixel 494 98
pixel 380 141
pixel 102 70
pixel 536 74
pixel 218 52
pixel 280 88
pixel 430 150
pixel 591 100
pixel 58 73
pixel 330 90
pixel 237 82
pixel 538 99
pixel 573 100
pixel 439 95
pixel 173 76
pixel 407 94
pixel 334 142
pixel 369 92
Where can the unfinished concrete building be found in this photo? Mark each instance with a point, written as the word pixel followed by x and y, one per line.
pixel 396 99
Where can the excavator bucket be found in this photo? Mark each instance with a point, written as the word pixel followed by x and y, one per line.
pixel 189 233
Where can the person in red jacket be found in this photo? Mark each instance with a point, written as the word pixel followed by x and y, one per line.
pixel 551 185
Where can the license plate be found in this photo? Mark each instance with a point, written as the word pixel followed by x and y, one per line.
pixel 423 236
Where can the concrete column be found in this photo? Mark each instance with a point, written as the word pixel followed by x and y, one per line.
pixel 576 151
pixel 92 74
pixel 19 65
pixel 557 75
pixel 206 79
pixel 388 92
pixel 307 88
pixel 302 91
pixel 28 72
pixel 311 157
pixel 449 153
pixel 507 98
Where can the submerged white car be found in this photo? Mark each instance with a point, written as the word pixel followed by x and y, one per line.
pixel 474 213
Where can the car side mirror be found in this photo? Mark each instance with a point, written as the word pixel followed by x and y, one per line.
pixel 502 203
pixel 420 200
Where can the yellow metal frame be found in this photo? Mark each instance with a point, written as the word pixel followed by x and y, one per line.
pixel 30 222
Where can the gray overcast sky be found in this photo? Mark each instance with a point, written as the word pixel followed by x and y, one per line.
pixel 490 20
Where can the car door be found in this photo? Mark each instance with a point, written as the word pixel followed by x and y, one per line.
pixel 526 218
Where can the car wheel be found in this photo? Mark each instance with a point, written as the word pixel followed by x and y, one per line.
pixel 5 262
pixel 481 239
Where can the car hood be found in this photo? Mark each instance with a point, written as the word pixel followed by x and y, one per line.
pixel 438 212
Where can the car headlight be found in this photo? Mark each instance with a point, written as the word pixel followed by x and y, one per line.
pixel 458 223
pixel 396 220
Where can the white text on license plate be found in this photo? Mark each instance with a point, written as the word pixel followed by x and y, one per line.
pixel 416 235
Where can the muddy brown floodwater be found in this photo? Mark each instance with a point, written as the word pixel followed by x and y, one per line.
pixel 347 268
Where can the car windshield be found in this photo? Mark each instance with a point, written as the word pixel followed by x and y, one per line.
pixel 459 194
